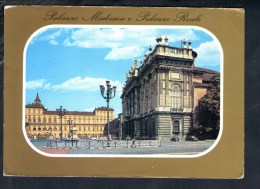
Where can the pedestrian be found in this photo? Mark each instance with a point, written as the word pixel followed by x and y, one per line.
pixel 133 143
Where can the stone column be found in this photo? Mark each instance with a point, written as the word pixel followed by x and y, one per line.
pixel 185 83
pixel 186 124
pixel 190 89
pixel 164 127
pixel 167 98
pixel 137 128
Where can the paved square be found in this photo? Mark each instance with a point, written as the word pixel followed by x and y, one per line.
pixel 166 148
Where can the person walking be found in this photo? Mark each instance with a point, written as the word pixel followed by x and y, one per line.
pixel 133 144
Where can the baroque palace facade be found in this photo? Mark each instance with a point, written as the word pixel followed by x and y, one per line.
pixel 40 122
pixel 160 95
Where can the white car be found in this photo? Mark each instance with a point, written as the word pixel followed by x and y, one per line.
pixel 102 138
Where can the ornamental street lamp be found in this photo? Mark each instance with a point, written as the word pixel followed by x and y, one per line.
pixel 111 92
pixel 61 112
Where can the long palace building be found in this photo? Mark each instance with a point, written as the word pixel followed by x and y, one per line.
pixel 40 122
pixel 160 94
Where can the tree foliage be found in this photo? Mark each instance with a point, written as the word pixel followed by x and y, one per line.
pixel 208 111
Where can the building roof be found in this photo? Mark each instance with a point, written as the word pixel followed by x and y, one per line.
pixel 77 112
pixel 200 85
pixel 203 70
pixel 103 109
pixel 205 74
pixel 69 113
pixel 37 104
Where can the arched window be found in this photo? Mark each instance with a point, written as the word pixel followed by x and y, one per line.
pixel 176 97
pixel 39 120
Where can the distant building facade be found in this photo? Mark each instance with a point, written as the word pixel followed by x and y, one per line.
pixel 116 127
pixel 160 95
pixel 40 122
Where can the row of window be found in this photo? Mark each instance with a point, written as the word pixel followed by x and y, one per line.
pixel 150 130
pixel 44 120
pixel 147 103
pixel 40 111
pixel 34 111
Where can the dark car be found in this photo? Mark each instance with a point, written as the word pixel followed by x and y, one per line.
pixel 191 138
pixel 175 139
pixel 145 138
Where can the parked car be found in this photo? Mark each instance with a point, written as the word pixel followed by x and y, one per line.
pixel 175 139
pixel 145 137
pixel 102 138
pixel 191 138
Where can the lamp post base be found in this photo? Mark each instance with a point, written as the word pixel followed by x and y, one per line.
pixel 109 137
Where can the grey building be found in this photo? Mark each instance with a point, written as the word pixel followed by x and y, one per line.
pixel 159 96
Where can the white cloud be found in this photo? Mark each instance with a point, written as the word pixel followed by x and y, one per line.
pixel 47 86
pixel 52 37
pixel 123 53
pixel 74 84
pixel 54 42
pixel 39 83
pixel 83 84
pixel 121 37
pixel 110 37
pixel 133 39
pixel 208 54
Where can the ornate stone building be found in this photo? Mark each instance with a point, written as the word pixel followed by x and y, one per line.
pixel 40 121
pixel 160 95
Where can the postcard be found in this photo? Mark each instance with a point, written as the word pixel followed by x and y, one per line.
pixel 124 92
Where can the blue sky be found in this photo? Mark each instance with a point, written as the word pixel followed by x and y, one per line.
pixel 66 65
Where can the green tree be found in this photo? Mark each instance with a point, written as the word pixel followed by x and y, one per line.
pixel 208 111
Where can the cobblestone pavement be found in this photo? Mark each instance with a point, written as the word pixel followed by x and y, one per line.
pixel 166 148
